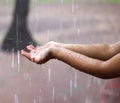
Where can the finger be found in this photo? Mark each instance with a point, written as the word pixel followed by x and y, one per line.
pixel 33 59
pixel 30 48
pixel 26 54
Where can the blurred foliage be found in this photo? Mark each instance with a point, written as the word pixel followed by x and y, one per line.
pixel 59 1
pixel 116 1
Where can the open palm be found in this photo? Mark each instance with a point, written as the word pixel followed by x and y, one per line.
pixel 38 55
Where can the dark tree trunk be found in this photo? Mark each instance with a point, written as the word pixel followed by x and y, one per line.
pixel 18 36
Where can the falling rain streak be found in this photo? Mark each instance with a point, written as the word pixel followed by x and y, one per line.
pixel 61 24
pixel 48 35
pixel 16 98
pixel 49 75
pixel 53 95
pixel 71 87
pixel 13 59
pixel 65 98
pixel 49 72
pixel 78 31
pixel 18 61
pixel 40 99
pixel 73 6
pixel 75 79
pixel 34 101
pixel 62 1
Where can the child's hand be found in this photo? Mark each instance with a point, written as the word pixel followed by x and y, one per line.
pixel 39 55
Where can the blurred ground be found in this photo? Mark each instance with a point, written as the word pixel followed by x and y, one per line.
pixel 78 23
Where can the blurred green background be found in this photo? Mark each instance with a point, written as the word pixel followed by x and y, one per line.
pixel 64 1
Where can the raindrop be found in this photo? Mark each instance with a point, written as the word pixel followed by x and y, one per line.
pixel 78 31
pixel 88 84
pixel 29 79
pixel 40 99
pixel 16 98
pixel 49 75
pixel 65 98
pixel 75 79
pixel 61 24
pixel 48 35
pixel 7 2
pixel 34 101
pixel 73 6
pixel 87 100
pixel 71 87
pixel 18 60
pixel 61 1
pixel 74 22
pixel 99 82
pixel 53 95
pixel 17 32
pixel 49 72
pixel 13 59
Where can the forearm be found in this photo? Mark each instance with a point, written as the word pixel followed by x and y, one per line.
pixel 79 61
pixel 102 69
pixel 97 51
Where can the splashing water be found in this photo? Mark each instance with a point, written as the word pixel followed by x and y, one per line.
pixel 16 98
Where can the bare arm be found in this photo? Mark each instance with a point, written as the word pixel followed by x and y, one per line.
pixel 97 51
pixel 102 69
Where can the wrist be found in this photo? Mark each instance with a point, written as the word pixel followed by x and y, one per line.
pixel 53 50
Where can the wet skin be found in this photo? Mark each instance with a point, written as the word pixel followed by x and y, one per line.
pixel 100 60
